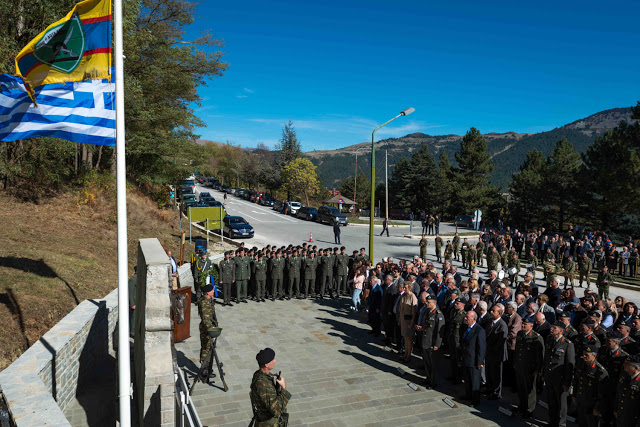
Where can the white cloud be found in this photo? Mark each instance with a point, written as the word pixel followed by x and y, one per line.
pixel 246 89
pixel 241 96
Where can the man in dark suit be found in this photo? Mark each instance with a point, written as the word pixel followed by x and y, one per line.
pixel 473 347
pixel 497 331
pixel 542 326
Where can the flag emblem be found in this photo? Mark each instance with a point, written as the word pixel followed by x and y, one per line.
pixel 62 46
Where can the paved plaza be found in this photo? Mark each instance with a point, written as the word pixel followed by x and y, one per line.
pixel 338 374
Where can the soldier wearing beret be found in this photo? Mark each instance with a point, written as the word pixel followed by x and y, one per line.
pixel 260 277
pixel 242 275
pixel 207 312
pixel 227 275
pixel 431 326
pixel 277 272
pixel 612 358
pixel 627 409
pixel 269 394
pixel 589 386
pixel 528 363
pixel 557 373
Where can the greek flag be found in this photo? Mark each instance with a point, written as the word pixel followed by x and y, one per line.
pixel 82 112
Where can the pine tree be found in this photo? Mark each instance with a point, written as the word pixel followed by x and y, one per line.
pixel 471 177
pixel 288 148
pixel 419 186
pixel 527 192
pixel 442 193
pixel 560 185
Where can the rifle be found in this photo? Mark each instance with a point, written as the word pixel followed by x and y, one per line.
pixel 203 374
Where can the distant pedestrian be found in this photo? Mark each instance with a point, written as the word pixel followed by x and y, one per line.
pixel 336 232
pixel 225 199
pixel 385 226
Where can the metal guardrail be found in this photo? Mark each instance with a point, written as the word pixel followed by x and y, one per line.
pixel 186 413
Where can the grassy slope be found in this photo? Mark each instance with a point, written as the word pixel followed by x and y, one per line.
pixel 63 251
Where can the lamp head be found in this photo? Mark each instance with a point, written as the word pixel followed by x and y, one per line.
pixel 407 111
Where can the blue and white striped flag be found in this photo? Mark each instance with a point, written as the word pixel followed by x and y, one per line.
pixel 82 112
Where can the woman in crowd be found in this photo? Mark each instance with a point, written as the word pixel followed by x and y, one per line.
pixel 407 318
pixel 358 284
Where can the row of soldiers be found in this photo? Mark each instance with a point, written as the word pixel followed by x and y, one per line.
pixel 285 272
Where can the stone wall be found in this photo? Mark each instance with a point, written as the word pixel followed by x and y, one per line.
pixel 41 383
pixel 154 375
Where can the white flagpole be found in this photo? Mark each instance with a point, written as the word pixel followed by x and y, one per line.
pixel 124 369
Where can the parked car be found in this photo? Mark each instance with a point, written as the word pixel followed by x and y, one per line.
pixel 236 226
pixel 464 221
pixel 266 200
pixel 309 213
pixel 277 205
pixel 294 207
pixel 329 214
pixel 188 198
pixel 202 194
pixel 206 200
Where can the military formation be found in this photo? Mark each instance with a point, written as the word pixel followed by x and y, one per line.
pixel 279 273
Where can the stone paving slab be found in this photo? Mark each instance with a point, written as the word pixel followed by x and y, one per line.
pixel 338 375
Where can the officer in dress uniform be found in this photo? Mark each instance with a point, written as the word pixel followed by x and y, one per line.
pixel 612 358
pixel 586 337
pixel 570 332
pixel 227 275
pixel 557 373
pixel 627 409
pixel 456 317
pixel 589 384
pixel 528 363
pixel 431 326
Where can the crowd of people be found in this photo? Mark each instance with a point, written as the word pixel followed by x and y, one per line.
pixel 492 331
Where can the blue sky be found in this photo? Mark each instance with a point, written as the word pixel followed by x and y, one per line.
pixel 337 69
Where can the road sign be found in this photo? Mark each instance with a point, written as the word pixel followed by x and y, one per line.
pixel 341 200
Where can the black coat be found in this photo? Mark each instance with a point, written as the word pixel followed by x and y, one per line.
pixel 496 340
pixel 473 346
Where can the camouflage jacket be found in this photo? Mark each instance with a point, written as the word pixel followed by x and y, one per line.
pixel 207 312
pixel 268 402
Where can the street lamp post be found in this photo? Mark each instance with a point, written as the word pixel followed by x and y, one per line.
pixel 373 176
pixel 355 181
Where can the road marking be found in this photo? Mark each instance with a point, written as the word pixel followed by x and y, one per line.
pixel 259 213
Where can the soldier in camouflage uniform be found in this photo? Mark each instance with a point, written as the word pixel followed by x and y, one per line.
pixel 269 395
pixel 456 246
pixel 604 280
pixel 570 270
pixel 227 270
pixel 207 312
pixel 472 258
pixel 493 258
pixel 293 267
pixel 464 251
pixel 513 262
pixel 260 276
pixel 423 248
pixel 584 270
pixel 448 252
pixel 480 251
pixel 438 243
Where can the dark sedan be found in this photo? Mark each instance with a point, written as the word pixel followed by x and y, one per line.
pixel 308 213
pixel 236 226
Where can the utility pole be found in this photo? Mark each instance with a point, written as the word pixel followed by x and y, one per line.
pixel 386 184
pixel 355 182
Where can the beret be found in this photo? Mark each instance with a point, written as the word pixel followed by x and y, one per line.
pixel 207 288
pixel 564 314
pixel 265 356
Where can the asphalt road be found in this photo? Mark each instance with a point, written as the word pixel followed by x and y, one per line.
pixel 275 228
